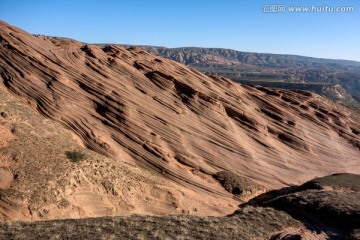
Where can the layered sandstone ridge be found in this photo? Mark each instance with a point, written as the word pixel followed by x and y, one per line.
pixel 41 179
pixel 174 121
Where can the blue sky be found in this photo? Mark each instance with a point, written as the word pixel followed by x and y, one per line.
pixel 236 24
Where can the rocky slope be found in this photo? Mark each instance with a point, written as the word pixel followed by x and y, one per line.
pixel 329 204
pixel 175 122
pixel 46 174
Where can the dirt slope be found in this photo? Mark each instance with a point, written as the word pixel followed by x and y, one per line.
pixel 40 180
pixel 174 121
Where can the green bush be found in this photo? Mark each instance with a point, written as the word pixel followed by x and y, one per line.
pixel 75 156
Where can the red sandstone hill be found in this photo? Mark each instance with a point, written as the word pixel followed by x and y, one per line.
pixel 174 122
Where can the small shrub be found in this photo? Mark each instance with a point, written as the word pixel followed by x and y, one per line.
pixel 63 203
pixel 237 185
pixel 75 156
pixel 109 187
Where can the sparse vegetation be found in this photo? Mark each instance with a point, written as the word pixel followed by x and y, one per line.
pixel 249 223
pixel 75 156
pixel 345 181
pixel 63 203
pixel 237 185
pixel 109 187
pixel 337 209
pixel 338 206
pixel 38 142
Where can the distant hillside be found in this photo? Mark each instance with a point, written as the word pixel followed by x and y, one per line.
pixel 192 55
pixel 290 68
pixel 332 91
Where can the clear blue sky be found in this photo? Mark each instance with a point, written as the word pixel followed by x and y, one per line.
pixel 237 24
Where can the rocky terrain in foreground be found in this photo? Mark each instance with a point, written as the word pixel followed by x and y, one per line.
pixel 324 208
